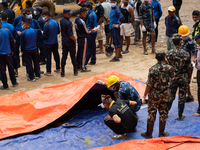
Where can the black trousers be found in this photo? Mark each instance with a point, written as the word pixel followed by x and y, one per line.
pixel 40 46
pixel 16 59
pixel 198 83
pixel 52 48
pixel 81 53
pixel 178 7
pixel 156 29
pixel 6 60
pixel 72 50
pixel 32 57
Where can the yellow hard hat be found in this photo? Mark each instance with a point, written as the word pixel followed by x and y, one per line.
pixel 183 30
pixel 112 80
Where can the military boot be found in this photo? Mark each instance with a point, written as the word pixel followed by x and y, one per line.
pixel 149 132
pixel 162 129
pixel 75 71
pixel 62 71
pixel 181 116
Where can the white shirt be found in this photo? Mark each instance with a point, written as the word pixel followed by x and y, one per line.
pixel 135 12
pixel 107 9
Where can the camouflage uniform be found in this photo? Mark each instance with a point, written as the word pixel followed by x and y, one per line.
pixel 180 60
pixel 159 79
pixel 146 16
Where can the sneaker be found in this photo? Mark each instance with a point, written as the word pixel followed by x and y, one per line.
pixel 32 80
pixel 57 70
pixel 144 134
pixel 145 52
pixel 114 59
pixel 164 134
pixel 120 56
pixel 38 76
pixel 3 88
pixel 85 70
pixel 16 74
pixel 194 81
pixel 125 51
pixel 189 99
pixel 16 84
pixel 181 118
pixel 47 73
pixel 119 137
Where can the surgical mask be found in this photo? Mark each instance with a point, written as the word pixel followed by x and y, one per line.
pixel 113 5
pixel 29 17
pixel 113 89
pixel 184 38
pixel 35 12
pixel 196 21
pixel 44 19
pixel 97 5
pixel 23 27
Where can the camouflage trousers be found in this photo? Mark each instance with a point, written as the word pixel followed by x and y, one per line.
pixel 161 106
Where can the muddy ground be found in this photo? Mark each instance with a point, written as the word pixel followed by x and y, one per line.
pixel 133 64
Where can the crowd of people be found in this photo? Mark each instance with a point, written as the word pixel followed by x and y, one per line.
pixel 33 36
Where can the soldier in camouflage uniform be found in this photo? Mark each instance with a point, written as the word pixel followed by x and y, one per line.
pixel 148 23
pixel 158 94
pixel 180 60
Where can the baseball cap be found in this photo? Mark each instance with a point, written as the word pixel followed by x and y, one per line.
pixel 172 8
pixel 4 2
pixel 67 10
pixel 80 1
pixel 23 11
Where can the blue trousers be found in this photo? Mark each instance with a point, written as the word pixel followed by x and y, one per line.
pixel 6 60
pixel 116 37
pixel 91 53
pixel 32 57
pixel 72 50
pixel 52 48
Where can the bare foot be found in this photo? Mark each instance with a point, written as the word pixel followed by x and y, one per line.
pixel 196 114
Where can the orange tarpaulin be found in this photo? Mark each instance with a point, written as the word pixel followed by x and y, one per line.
pixel 27 111
pixel 175 143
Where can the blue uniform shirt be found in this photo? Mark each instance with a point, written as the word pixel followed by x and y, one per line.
pixel 34 24
pixel 115 17
pixel 18 24
pixel 128 92
pixel 6 42
pixel 81 29
pixel 172 28
pixel 156 9
pixel 189 46
pixel 28 40
pixel 91 20
pixel 11 28
pixel 51 29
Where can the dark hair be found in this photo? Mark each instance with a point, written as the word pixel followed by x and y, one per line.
pixel 4 16
pixel 28 10
pixel 89 6
pixel 25 20
pixel 5 4
pixel 160 57
pixel 29 3
pixel 196 13
pixel 176 41
pixel 47 13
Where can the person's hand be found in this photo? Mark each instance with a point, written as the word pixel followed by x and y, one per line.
pixel 143 29
pixel 100 82
pixel 155 25
pixel 19 33
pixel 101 105
pixel 143 99
pixel 115 25
pixel 108 118
pixel 195 61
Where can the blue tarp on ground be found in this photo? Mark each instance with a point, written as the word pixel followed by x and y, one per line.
pixel 87 130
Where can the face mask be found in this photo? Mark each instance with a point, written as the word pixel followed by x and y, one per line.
pixel 113 89
pixel 196 21
pixel 23 27
pixel 29 17
pixel 44 19
pixel 35 12
pixel 96 5
pixel 113 5
pixel 185 38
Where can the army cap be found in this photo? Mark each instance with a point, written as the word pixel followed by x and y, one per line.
pixel 177 36
pixel 160 52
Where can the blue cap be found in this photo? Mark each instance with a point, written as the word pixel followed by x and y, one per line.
pixel 23 11
pixel 67 10
pixel 88 3
pixel 39 9
pixel 4 2
pixel 197 36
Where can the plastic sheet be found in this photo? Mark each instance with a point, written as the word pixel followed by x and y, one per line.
pixel 28 111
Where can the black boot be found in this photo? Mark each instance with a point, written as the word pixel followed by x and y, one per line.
pixel 75 71
pixel 149 132
pixel 162 129
pixel 181 116
pixel 62 71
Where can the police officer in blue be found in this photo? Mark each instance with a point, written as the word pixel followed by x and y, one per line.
pixel 40 44
pixel 6 50
pixel 91 23
pixel 50 32
pixel 82 34
pixel 29 50
pixel 18 27
pixel 68 41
